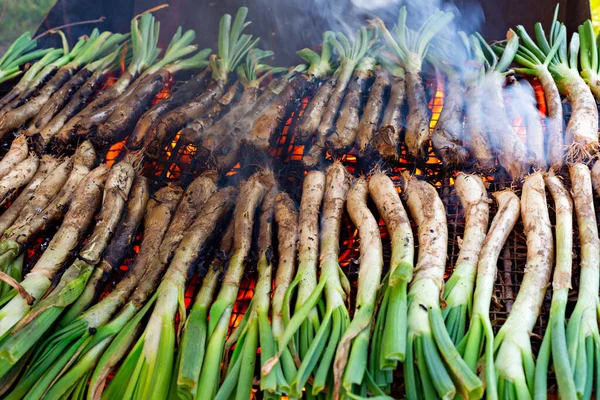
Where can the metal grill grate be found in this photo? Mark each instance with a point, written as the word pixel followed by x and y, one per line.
pixel 179 163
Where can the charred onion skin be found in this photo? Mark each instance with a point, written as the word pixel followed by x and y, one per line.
pixel 184 94
pixel 227 150
pixel 18 116
pixel 417 120
pixel 18 152
pixel 47 133
pixel 130 109
pixel 386 140
pixel 221 131
pixel 191 203
pixel 369 121
pixel 159 212
pixel 347 124
pixel 310 119
pixel 446 136
pixel 132 217
pixel 48 164
pixel 49 71
pixel 68 132
pixel 165 128
pixel 266 125
pixel 326 126
pixel 59 99
pixel 195 129
pixel 89 123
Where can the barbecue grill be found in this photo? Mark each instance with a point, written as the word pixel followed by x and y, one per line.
pixel 179 162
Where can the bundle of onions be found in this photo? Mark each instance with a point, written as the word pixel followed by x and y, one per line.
pixel 148 367
pixel 77 345
pixel 251 195
pixel 333 288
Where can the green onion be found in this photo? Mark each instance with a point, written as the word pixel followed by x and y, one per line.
pixel 147 370
pixel 513 356
pixel 555 341
pixel 255 329
pixel 251 194
pixel 389 336
pixel 192 349
pixel 479 339
pixel 433 363
pixel 458 291
pixel 583 339
pixel 350 365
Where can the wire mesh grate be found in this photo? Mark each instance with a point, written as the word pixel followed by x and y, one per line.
pixel 179 163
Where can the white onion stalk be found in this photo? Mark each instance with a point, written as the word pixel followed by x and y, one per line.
pixel 458 291
pixel 434 366
pixel 480 326
pixel 19 176
pixel 514 361
pixel 18 152
pixel 555 341
pixel 146 371
pixel 352 354
pixel 389 337
pixel 583 339
pixel 286 216
pixel 48 167
pixel 75 224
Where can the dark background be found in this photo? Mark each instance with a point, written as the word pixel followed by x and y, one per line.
pixel 285 26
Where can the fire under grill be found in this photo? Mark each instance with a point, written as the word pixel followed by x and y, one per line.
pixel 179 163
